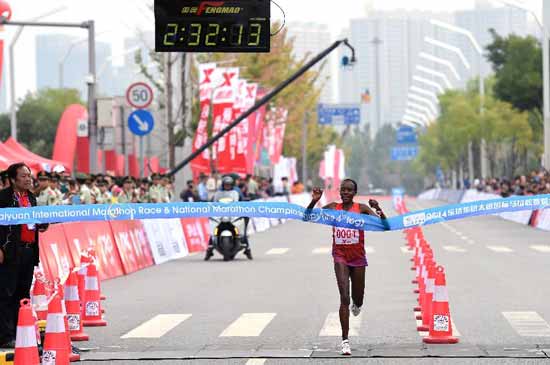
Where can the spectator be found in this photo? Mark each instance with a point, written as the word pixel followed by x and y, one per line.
pixel 252 187
pixel 189 194
pixel 211 186
pixel 297 188
pixel 202 189
pixel 19 252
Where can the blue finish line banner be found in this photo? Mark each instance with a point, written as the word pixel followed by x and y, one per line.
pixel 82 213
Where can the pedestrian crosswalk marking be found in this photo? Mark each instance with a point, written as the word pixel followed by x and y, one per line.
pixel 540 248
pixel 501 249
pixel 332 327
pixel 528 324
pixel 454 249
pixel 248 325
pixel 321 250
pixel 277 251
pixel 256 362
pixel 405 249
pixel 157 326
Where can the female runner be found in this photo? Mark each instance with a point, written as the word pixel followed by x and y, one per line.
pixel 348 251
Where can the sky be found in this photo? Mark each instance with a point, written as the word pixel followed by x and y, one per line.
pixel 117 19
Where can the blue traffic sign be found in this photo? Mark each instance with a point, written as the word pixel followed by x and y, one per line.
pixel 406 134
pixel 141 122
pixel 404 153
pixel 346 114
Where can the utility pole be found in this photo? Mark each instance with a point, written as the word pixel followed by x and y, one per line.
pixel 169 117
pixel 304 148
pixel 377 42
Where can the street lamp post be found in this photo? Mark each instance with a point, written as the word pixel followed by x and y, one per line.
pixel 475 44
pixel 13 106
pixel 90 80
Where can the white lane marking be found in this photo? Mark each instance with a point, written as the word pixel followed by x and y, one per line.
pixel 321 250
pixel 256 362
pixel 405 249
pixel 427 333
pixel 332 328
pixel 454 249
pixel 277 251
pixel 248 325
pixel 528 324
pixel 501 249
pixel 540 248
pixel 369 249
pixel 157 326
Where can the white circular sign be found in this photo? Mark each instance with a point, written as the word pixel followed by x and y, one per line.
pixel 139 95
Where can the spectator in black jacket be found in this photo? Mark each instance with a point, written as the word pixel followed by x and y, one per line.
pixel 19 252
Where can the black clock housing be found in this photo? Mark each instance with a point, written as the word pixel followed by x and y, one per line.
pixel 212 26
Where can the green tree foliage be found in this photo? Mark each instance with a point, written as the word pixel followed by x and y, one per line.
pixel 517 62
pixel 269 70
pixel 38 115
pixel 506 131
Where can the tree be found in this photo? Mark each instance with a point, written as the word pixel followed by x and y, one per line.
pixel 517 62
pixel 38 115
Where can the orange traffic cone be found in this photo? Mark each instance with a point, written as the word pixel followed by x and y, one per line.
pixel 441 329
pixel 72 303
pixel 92 301
pixel 56 342
pixel 426 297
pixel 26 348
pixel 39 298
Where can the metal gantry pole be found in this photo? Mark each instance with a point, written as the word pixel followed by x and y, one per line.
pixel 304 148
pixel 92 115
pixel 92 106
pixel 263 101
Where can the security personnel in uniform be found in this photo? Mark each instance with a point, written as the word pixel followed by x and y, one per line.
pixel 19 252
pixel 54 185
pixel 45 195
pixel 128 194
pixel 156 191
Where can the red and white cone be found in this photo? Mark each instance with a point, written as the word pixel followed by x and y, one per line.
pixel 441 329
pixel 26 347
pixel 72 303
pixel 39 298
pixel 56 342
pixel 92 302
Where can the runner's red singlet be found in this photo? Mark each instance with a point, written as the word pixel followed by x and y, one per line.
pixel 348 245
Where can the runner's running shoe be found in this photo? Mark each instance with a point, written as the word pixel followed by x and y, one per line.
pixel 346 349
pixel 355 310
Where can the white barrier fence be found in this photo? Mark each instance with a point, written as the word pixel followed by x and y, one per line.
pixel 539 219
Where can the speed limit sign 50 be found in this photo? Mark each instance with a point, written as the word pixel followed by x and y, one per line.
pixel 139 95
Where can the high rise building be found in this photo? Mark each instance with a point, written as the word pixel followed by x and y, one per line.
pixel 389 46
pixel 62 61
pixel 505 20
pixel 310 39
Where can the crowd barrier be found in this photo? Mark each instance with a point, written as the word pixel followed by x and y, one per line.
pixel 124 247
pixel 536 218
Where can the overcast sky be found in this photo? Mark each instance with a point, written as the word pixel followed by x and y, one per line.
pixel 117 19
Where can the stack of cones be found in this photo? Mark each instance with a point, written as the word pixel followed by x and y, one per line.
pixel 56 343
pixel 433 302
pixel 39 296
pixel 72 302
pixel 92 302
pixel 26 347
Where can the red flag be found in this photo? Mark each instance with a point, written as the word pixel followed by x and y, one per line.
pixel 201 164
pixel 223 100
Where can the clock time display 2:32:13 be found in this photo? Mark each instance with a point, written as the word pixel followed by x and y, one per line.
pixel 215 35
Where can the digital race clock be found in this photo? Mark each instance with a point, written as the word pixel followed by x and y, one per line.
pixel 212 26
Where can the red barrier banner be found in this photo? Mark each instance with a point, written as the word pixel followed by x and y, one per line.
pixel 132 245
pixel 197 233
pixel 97 236
pixel 54 253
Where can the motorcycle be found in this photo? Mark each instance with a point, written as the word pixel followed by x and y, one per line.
pixel 226 239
